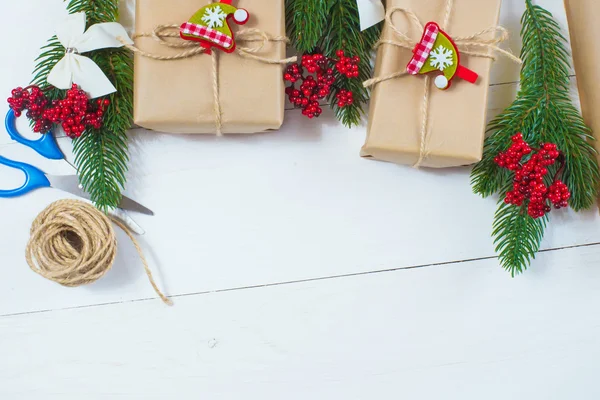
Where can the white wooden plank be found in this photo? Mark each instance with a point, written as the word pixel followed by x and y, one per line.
pixel 464 331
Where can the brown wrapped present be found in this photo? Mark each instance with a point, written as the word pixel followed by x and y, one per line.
pixel 585 31
pixel 432 128
pixel 181 95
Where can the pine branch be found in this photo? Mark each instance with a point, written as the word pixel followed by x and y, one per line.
pixel 306 21
pixel 331 25
pixel 98 156
pixel 344 33
pixel 558 120
pixel 101 156
pixel 517 237
pixel 51 54
pixel 97 11
pixel 542 112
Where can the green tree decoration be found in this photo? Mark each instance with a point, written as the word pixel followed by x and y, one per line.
pixel 542 112
pixel 101 156
pixel 331 25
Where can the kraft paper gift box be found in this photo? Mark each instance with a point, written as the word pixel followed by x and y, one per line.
pixel 177 96
pixel 584 29
pixel 456 117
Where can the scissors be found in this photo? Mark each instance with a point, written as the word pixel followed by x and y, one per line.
pixel 35 178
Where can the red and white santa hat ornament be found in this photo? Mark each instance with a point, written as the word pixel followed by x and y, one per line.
pixel 210 26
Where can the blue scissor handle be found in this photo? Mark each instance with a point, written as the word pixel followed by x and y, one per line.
pixel 46 145
pixel 34 178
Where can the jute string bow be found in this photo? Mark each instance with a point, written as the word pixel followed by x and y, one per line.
pixel 163 32
pixel 74 244
pixel 486 40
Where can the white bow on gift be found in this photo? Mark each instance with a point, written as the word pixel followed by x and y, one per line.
pixel 81 70
pixel 371 13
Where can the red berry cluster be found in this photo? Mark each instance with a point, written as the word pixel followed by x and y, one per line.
pixel 311 90
pixel 34 102
pixel 74 113
pixel 314 62
pixel 347 66
pixel 344 98
pixel 559 194
pixel 317 87
pixel 529 177
pixel 511 159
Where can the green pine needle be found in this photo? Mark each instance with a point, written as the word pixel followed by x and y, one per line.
pixel 51 54
pixel 517 237
pixel 543 112
pixel 331 25
pixel 306 21
pixel 101 156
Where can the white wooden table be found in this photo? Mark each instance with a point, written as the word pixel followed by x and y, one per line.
pixel 298 271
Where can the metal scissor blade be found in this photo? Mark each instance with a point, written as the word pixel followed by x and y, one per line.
pixel 132 205
pixel 70 184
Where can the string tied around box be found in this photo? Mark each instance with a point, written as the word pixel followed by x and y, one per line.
pixel 162 33
pixel 481 44
pixel 74 244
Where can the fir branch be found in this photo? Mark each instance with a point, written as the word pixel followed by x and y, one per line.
pixel 517 237
pixel 51 54
pixel 98 156
pixel 97 11
pixel 345 34
pixel 101 156
pixel 542 112
pixel 306 21
pixel 331 25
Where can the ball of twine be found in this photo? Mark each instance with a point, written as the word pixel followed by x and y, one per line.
pixel 72 243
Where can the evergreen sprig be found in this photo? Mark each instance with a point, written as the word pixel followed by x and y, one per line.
pixel 331 25
pixel 306 21
pixel 51 54
pixel 101 156
pixel 542 112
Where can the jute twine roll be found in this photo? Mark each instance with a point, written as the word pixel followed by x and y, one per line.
pixel 72 243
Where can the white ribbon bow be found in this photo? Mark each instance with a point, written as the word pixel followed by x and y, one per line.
pixel 75 68
pixel 371 13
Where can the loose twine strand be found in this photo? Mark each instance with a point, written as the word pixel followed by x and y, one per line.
pixel 465 44
pixel 163 32
pixel 216 95
pixel 72 243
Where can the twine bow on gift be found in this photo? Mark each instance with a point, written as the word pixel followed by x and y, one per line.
pixel 163 32
pixel 487 39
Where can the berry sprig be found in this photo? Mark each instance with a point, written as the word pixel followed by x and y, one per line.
pixel 32 100
pixel 347 66
pixel 75 113
pixel 344 98
pixel 317 87
pixel 528 184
